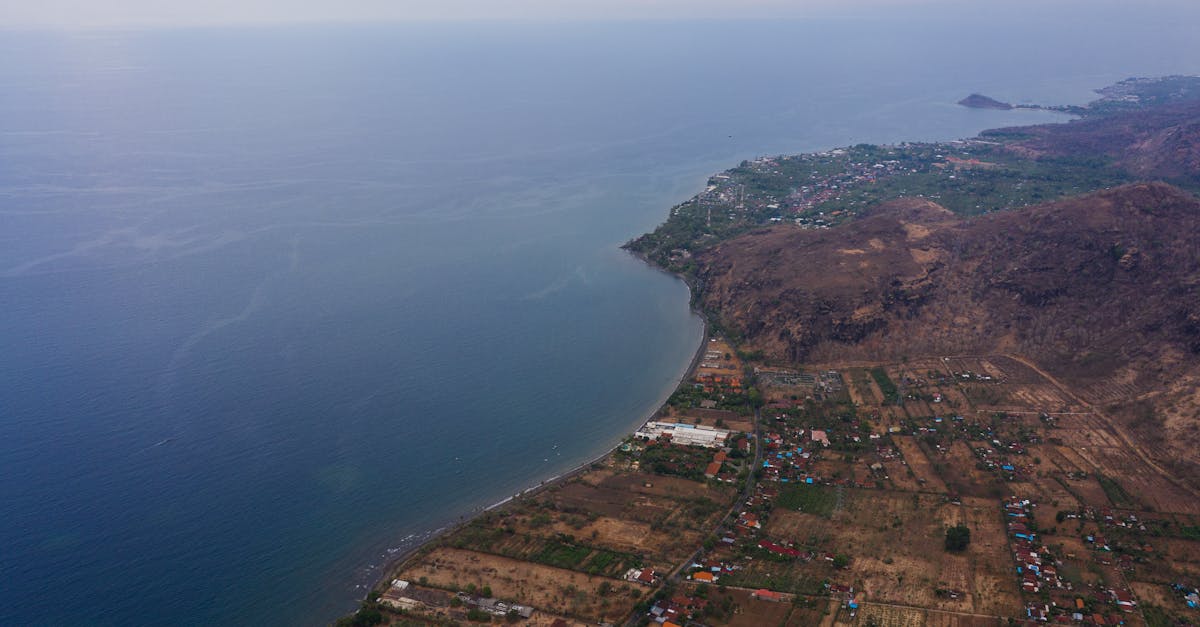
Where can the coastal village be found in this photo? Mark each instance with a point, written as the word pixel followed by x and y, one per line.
pixel 953 491
pixel 762 495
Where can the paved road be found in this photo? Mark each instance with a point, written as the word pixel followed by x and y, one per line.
pixel 747 491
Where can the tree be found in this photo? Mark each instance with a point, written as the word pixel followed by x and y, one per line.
pixel 841 560
pixel 366 616
pixel 958 537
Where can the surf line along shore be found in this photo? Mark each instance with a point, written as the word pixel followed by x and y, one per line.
pixel 396 564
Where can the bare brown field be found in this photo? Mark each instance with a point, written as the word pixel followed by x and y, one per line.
pixel 661 545
pixel 661 518
pixel 751 612
pixel 808 617
pixel 919 464
pixel 729 420
pixel 1154 594
pixel 887 616
pixel 894 541
pixel 792 526
pixel 724 367
pixel 616 492
pixel 882 615
pixel 554 589
pixel 867 392
pixel 964 477
pixel 900 477
pixel 1104 451
pixel 944 619
pixel 858 395
pixel 920 409
pixel 1179 551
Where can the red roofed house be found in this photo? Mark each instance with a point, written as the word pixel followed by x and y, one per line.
pixel 767 595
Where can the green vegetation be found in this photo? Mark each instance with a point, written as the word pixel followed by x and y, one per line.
pixel 366 616
pixel 818 190
pixel 1158 617
pixel 560 554
pixel 1190 533
pixel 478 616
pixel 679 461
pixel 788 581
pixel 561 551
pixel 958 538
pixel 1115 492
pixel 886 385
pixel 743 401
pixel 1006 182
pixel 810 499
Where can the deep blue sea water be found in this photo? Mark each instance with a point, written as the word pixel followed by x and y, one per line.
pixel 278 300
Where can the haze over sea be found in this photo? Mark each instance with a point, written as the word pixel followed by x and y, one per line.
pixel 278 300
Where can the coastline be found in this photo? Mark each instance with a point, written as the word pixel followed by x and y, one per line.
pixel 396 563
pixel 397 566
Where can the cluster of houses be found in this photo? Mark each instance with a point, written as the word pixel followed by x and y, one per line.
pixel 747 527
pixel 789 456
pixel 714 468
pixel 710 570
pixel 711 383
pixel 992 459
pixel 677 610
pixel 820 190
pixel 1191 595
pixel 785 463
pixel 645 576
pixel 1079 613
pixel 1027 553
pixel 811 180
pixel 1039 573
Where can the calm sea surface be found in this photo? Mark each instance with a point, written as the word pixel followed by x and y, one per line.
pixel 277 301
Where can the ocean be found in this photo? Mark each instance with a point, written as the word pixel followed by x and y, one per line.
pixel 279 302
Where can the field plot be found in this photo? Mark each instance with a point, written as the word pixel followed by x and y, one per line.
pixel 658 518
pixel 710 418
pixel 1092 444
pixel 544 587
pixel 887 616
pixel 892 616
pixel 751 612
pixel 964 477
pixel 919 463
pixel 898 474
pixel 894 544
pixel 719 359
pixel 946 619
pixel 863 386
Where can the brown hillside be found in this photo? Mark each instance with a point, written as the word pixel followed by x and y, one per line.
pixel 1159 142
pixel 1102 291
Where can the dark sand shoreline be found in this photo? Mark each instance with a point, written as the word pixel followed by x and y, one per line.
pixel 394 564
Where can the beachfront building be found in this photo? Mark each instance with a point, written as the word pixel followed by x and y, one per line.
pixel 684 434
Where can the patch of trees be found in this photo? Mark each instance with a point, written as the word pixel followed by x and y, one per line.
pixel 958 538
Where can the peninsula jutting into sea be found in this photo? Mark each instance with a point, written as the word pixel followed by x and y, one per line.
pixel 944 383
